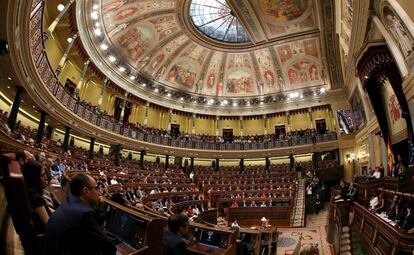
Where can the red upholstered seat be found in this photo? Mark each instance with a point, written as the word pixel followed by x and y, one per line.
pixel 18 205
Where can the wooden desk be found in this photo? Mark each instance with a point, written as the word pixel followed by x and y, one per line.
pixel 379 236
pixel 248 216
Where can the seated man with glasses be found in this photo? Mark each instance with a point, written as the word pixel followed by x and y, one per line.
pixel 74 228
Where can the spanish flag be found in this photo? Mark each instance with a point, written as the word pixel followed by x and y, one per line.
pixel 390 154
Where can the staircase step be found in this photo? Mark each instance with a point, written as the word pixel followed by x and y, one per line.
pixel 345 242
pixel 345 235
pixel 345 247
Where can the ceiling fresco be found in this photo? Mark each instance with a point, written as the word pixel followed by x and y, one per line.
pixel 283 51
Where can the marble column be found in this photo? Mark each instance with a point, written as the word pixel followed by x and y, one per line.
pixel 121 117
pixel 105 84
pixel 64 58
pixel 91 147
pixel 41 127
pixel 66 139
pixel 11 122
pixel 82 77
pixel 52 27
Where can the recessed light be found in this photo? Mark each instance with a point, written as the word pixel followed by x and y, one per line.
pixel 169 95
pixel 97 24
pixel 156 90
pixel 9 78
pixel 34 107
pixel 235 104
pixel 112 58
pixel 182 98
pixel 60 7
pixel 323 90
pixel 104 46
pixel 94 15
pixel 70 39
pixel 98 31
pixel 122 69
pixel 195 101
pixel 132 77
pixel 144 84
pixel 22 101
pixel 8 87
pixel 261 103
pixel 95 6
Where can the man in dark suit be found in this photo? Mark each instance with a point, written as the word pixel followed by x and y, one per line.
pixel 74 228
pixel 172 241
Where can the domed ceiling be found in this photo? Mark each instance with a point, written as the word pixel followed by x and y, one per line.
pixel 222 49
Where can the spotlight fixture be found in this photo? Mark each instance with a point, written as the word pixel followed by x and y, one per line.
pixel 169 94
pixel 98 32
pixel 132 77
pixel 182 98
pixel 70 39
pixel 323 90
pixel 144 84
pixel 9 78
pixel 156 90
pixel 235 104
pixel 122 69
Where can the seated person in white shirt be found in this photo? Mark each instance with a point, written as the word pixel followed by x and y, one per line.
pixel 377 173
pixel 114 181
pixel 373 203
pixel 234 224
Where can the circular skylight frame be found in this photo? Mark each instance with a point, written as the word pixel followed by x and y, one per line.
pixel 216 20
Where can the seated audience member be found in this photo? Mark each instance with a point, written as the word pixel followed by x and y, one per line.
pixel 172 239
pixel 377 173
pixel 234 204
pixel 235 224
pixel 373 203
pixel 394 209
pixel 253 204
pixel 352 192
pixel 407 221
pixel 35 179
pixel 402 171
pixel 74 228
pixel 343 191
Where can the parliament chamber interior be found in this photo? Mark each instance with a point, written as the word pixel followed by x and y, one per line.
pixel 251 127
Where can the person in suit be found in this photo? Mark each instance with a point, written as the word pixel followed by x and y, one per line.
pixel 407 221
pixel 74 228
pixel 172 239
pixel 394 209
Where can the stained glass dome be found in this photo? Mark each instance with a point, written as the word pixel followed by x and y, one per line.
pixel 215 19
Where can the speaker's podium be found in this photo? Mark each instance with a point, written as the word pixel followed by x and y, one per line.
pixel 133 232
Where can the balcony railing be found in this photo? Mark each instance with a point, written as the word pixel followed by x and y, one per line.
pixel 73 104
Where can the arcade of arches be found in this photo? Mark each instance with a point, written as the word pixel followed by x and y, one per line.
pixel 277 127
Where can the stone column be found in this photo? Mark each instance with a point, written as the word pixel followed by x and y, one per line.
pixel 167 160
pixel 11 122
pixel 217 164
pixel 310 118
pixel 265 124
pixel 91 147
pixel 51 28
pixel 105 84
pixel 62 61
pixel 82 77
pixel 141 159
pixel 41 127
pixel 66 139
pixel 192 163
pixel 241 125
pixel 121 117
pixel 193 124
pixel 288 119
pixel 216 125
pixel 170 112
pixel 146 115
